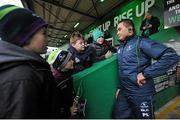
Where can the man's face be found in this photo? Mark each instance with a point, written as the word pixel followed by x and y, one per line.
pixel 79 45
pixel 122 31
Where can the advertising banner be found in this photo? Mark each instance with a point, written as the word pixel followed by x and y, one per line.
pixel 171 13
pixel 135 10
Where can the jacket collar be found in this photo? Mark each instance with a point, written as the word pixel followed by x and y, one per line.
pixel 127 40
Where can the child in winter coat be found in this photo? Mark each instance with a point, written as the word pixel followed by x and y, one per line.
pixel 103 48
pixel 62 66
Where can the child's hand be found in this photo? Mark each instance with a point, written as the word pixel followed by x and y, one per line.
pixel 108 54
pixel 74 110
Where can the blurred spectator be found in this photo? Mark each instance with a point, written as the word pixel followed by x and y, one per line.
pixel 107 35
pixel 149 25
pixel 90 39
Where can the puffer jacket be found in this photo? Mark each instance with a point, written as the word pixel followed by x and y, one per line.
pixel 27 88
pixel 134 56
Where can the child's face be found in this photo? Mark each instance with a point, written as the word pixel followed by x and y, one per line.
pixel 38 42
pixel 69 65
pixel 79 45
pixel 100 40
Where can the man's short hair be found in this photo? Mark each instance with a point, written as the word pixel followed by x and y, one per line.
pixel 128 23
pixel 75 36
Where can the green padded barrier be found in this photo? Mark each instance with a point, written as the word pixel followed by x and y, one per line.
pixel 99 86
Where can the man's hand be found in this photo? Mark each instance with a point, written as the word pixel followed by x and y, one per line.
pixel 140 79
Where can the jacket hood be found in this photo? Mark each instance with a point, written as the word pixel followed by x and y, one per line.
pixel 10 53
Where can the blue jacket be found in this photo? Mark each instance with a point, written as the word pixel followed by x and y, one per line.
pixel 135 57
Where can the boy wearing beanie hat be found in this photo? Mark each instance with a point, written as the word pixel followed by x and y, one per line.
pixel 62 66
pixel 84 56
pixel 59 60
pixel 103 48
pixel 27 86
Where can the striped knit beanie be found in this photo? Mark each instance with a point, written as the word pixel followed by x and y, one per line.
pixel 59 58
pixel 18 25
pixel 97 34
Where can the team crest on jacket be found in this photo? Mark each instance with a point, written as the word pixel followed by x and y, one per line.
pixel 130 47
pixel 119 51
pixel 77 60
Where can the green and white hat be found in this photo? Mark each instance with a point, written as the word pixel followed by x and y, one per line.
pixel 97 34
pixel 18 25
pixel 59 58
